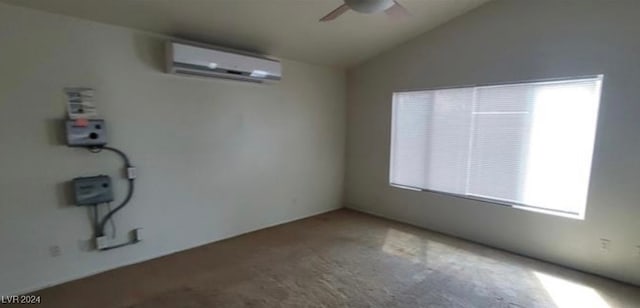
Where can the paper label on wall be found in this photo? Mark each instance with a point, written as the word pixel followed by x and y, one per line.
pixel 80 103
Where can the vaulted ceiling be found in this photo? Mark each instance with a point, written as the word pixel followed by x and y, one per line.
pixel 282 28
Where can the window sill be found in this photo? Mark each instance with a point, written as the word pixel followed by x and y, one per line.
pixel 576 216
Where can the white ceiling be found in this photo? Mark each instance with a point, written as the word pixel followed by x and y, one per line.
pixel 282 28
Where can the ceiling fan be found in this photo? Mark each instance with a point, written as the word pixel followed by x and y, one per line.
pixel 391 7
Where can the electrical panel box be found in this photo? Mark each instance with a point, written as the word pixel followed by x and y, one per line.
pixel 86 133
pixel 92 190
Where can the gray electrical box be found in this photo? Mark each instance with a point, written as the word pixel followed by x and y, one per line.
pixel 92 190
pixel 86 133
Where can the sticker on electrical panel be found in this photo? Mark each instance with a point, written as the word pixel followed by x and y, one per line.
pixel 80 103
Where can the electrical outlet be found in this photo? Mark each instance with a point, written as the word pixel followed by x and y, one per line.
pixel 55 251
pixel 605 244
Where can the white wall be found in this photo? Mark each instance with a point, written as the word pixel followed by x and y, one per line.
pixel 215 158
pixel 512 40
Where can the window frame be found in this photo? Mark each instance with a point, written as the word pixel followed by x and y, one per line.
pixel 498 201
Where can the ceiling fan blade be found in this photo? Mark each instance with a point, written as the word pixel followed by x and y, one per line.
pixel 335 13
pixel 397 11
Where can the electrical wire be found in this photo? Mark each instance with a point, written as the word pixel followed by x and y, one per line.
pixel 106 218
pixel 118 246
pixel 131 186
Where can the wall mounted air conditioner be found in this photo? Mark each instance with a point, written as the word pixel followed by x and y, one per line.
pixel 190 59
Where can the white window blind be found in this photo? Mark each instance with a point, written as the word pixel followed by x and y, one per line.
pixel 526 144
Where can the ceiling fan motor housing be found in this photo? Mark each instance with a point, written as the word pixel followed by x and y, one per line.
pixel 369 6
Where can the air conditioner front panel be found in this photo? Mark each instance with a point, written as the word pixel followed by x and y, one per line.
pixel 219 63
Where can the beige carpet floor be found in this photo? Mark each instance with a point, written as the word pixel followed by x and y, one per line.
pixel 342 259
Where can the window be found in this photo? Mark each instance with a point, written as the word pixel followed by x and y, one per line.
pixel 527 145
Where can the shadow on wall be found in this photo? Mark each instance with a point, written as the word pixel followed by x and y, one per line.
pixel 64 194
pixel 54 130
pixel 55 135
pixel 150 50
